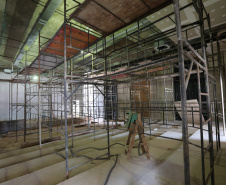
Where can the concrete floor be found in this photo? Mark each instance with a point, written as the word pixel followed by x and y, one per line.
pixel 33 166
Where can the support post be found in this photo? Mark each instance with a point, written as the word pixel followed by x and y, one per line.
pixel 65 86
pixel 183 94
pixel 39 96
pixel 72 121
pixel 10 112
pixel 206 77
pixel 106 98
pixel 201 125
pixel 51 103
pixel 16 102
pixel 25 98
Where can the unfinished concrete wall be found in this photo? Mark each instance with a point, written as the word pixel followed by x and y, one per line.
pixel 4 97
pixel 218 90
pixel 92 103
pixel 158 98
pixel 123 100
pixel 4 101
pixel 162 94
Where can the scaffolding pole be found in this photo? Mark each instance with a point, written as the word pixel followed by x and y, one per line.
pixel 183 94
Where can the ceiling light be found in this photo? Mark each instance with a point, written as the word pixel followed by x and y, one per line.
pixel 35 78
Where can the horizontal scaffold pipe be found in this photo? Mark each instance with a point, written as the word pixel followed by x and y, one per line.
pixel 132 69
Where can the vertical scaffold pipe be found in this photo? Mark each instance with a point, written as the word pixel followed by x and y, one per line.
pixel 65 86
pixel 25 99
pixel 106 97
pixel 206 77
pixel 182 93
pixel 39 97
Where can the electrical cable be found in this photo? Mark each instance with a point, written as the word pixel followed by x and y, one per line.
pixel 97 158
pixel 74 153
pixel 139 145
pixel 59 155
pixel 108 176
pixel 91 159
pixel 98 148
pixel 101 158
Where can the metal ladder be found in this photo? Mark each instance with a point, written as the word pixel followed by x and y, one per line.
pixel 209 148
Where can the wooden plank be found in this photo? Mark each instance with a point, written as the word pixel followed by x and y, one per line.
pixel 109 16
pixel 29 144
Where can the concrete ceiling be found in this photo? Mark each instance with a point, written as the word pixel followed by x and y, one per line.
pixel 19 21
pixel 215 8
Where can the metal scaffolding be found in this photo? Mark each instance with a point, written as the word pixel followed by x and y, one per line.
pixel 108 75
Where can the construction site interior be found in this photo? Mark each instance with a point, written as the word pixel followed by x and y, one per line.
pixel 101 92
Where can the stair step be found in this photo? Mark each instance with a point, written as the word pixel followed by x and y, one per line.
pixel 45 175
pixel 35 148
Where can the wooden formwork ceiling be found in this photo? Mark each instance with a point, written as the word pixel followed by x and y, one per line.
pixel 109 16
pixel 52 53
pixel 77 39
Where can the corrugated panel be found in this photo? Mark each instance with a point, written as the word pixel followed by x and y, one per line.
pixel 108 16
